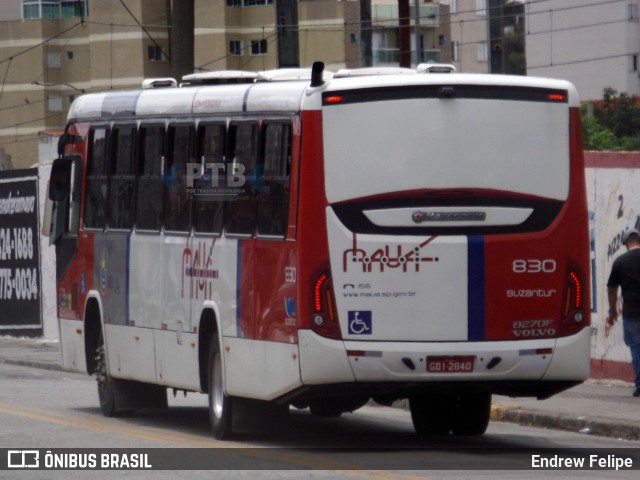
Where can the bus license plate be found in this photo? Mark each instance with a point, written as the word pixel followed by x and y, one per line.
pixel 461 364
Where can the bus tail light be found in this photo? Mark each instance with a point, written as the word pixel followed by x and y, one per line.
pixel 573 316
pixel 324 319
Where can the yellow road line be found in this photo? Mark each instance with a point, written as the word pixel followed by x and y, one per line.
pixel 185 440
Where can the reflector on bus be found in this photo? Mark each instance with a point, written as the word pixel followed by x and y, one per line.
pixel 219 77
pixel 436 68
pixel 167 82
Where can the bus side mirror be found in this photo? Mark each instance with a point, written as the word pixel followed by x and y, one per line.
pixel 62 206
pixel 59 181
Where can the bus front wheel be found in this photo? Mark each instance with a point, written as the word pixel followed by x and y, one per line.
pixel 220 404
pixel 107 386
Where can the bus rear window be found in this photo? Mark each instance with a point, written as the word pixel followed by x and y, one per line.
pixel 517 146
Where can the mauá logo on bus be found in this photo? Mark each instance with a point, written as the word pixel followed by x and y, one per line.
pixel 211 179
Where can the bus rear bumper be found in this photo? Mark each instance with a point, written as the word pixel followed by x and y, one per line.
pixel 325 361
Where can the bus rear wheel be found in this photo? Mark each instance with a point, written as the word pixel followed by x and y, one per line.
pixel 220 404
pixel 463 414
pixel 432 415
pixel 472 415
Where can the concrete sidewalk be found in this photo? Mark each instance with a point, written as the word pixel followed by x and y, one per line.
pixel 595 407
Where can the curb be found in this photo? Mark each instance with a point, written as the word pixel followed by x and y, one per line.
pixel 33 364
pixel 599 426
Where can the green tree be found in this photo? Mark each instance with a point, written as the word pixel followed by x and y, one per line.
pixel 615 123
pixel 619 113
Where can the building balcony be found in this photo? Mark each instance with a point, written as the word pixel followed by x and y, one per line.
pixel 386 57
pixel 386 16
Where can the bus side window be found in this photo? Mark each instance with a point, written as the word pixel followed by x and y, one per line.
pixel 273 196
pixel 123 177
pixel 176 194
pixel 149 182
pixel 208 196
pixel 242 177
pixel 95 206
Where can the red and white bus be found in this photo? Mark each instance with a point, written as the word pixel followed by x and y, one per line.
pixel 320 243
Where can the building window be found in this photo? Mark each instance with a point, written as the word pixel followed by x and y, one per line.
pixel 72 9
pixel 259 47
pixel 455 51
pixel 54 9
pixel 251 3
pixel 154 53
pixel 248 3
pixel 481 8
pixel 55 103
pixel 53 60
pixel 235 47
pixel 483 52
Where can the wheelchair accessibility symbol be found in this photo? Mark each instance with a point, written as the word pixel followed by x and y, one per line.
pixel 360 322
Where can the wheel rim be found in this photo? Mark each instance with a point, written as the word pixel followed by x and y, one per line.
pixel 218 394
pixel 103 379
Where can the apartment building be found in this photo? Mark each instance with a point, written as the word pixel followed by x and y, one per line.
pixel 51 51
pixel 429 39
pixel 594 44
pixel 486 35
pixel 54 50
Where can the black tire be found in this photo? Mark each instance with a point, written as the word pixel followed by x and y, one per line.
pixel 119 397
pixel 432 415
pixel 334 407
pixel 220 404
pixel 325 410
pixel 473 414
pixel 107 386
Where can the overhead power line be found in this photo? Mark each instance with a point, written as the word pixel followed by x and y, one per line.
pixel 532 8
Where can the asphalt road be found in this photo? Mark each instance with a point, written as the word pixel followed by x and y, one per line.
pixel 42 409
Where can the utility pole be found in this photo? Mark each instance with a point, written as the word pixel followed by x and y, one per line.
pixel 496 36
pixel 418 33
pixel 404 33
pixel 366 49
pixel 182 38
pixel 287 28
